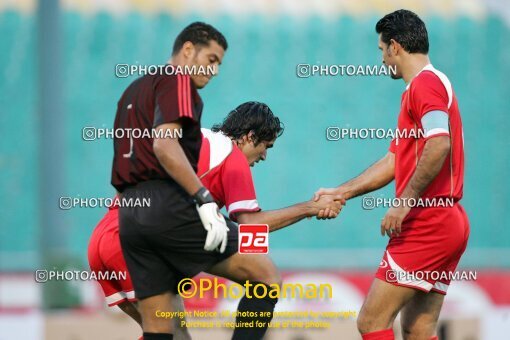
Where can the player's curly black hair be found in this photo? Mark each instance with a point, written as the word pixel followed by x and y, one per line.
pixel 199 33
pixel 251 116
pixel 406 28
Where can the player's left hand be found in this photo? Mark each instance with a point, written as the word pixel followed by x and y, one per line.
pixel 392 221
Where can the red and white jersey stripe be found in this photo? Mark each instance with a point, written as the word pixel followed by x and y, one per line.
pixel 225 171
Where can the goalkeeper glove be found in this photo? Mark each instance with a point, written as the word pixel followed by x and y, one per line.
pixel 213 221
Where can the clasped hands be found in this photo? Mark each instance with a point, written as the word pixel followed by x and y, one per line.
pixel 332 200
pixel 326 203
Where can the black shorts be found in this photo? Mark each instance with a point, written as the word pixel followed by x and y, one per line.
pixel 164 243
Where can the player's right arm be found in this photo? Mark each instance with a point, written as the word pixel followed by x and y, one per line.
pixel 242 205
pixel 374 177
pixel 281 218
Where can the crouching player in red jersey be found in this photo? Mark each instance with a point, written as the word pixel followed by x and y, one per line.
pixel 227 152
pixel 426 242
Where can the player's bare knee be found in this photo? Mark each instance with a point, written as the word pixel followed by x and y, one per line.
pixel 258 270
pixel 372 320
pixel 271 275
pixel 268 275
pixel 272 278
pixel 365 322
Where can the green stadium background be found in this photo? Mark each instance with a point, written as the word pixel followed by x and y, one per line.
pixel 260 65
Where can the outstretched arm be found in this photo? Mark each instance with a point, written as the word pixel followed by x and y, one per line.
pixel 376 176
pixel 281 218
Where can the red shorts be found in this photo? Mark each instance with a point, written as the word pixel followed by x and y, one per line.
pixel 426 253
pixel 105 256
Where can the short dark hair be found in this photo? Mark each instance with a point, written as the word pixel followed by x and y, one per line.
pixel 199 33
pixel 406 28
pixel 251 116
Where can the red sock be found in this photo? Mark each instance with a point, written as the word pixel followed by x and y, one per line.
pixel 434 338
pixel 385 334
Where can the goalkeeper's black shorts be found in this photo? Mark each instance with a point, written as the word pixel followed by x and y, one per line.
pixel 164 243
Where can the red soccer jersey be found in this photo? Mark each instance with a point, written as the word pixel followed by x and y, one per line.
pixel 428 91
pixel 224 170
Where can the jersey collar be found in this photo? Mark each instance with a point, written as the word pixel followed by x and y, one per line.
pixel 427 67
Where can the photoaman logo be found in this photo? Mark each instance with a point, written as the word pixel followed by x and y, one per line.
pixel 253 238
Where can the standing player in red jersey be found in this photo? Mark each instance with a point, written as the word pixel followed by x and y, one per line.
pixel 224 163
pixel 422 239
